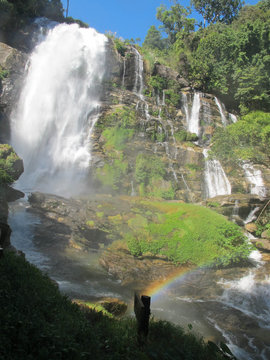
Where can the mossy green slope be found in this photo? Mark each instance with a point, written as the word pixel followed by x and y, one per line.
pixel 187 234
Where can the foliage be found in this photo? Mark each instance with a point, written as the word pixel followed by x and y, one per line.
pixel 234 60
pixel 153 39
pixel 247 139
pixel 148 167
pixel 183 135
pixel 190 234
pixel 112 174
pixel 175 20
pixel 217 10
pixel 7 160
pixel 120 46
pixel 37 322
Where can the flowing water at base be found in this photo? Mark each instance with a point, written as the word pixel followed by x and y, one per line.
pixel 229 305
pixel 78 274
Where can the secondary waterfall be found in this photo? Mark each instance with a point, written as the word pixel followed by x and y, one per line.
pixel 58 108
pixel 221 111
pixel 138 85
pixel 254 177
pixel 193 119
pixel 216 180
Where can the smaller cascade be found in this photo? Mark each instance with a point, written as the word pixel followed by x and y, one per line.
pixel 254 177
pixel 233 117
pixel 138 85
pixel 193 120
pixel 185 106
pixel 163 98
pixel 251 216
pixel 236 208
pixel 124 73
pixel 133 193
pixel 216 180
pixel 221 111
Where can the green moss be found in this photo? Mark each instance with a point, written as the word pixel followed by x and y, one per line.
pixel 90 223
pixel 100 214
pixel 116 138
pixel 112 175
pixel 148 167
pixel 190 234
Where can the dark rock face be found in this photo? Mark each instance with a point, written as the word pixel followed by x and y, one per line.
pixel 13 63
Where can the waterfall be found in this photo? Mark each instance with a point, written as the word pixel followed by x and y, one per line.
pixel 124 73
pixel 216 180
pixel 233 118
pixel 58 108
pixel 221 111
pixel 138 85
pixel 254 177
pixel 251 216
pixel 193 120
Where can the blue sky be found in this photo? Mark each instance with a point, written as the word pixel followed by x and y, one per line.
pixel 126 18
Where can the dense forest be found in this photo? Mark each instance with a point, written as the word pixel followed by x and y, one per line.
pixel 229 57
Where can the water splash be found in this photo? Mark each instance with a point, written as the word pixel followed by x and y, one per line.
pixel 58 108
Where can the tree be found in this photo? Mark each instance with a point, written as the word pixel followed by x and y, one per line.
pixel 175 20
pixel 153 39
pixel 217 10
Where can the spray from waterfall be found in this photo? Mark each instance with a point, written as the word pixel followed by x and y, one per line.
pixel 58 108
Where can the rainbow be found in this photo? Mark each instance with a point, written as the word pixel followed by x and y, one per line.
pixel 159 287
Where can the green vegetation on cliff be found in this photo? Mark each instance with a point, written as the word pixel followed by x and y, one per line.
pixel 247 139
pixel 37 322
pixel 8 160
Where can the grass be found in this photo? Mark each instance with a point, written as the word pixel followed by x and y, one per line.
pixel 37 322
pixel 189 234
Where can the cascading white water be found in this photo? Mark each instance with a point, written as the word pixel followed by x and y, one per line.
pixel 138 85
pixel 233 117
pixel 58 108
pixel 193 120
pixel 251 216
pixel 254 177
pixel 221 111
pixel 216 180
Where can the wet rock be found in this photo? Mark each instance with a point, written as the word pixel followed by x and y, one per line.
pixel 251 227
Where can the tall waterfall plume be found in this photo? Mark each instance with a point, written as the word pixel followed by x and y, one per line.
pixel 58 108
pixel 192 117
